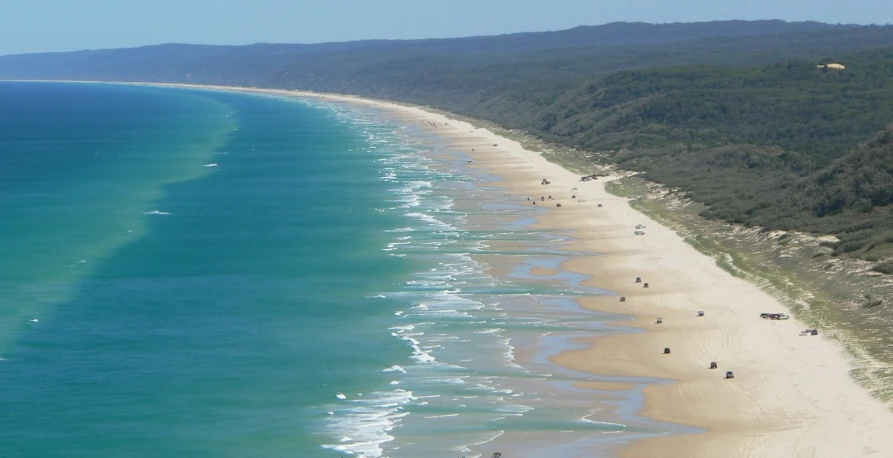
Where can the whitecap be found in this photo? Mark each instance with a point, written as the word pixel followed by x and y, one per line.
pixel 367 422
pixel 401 229
pixel 341 396
pixel 157 212
pixel 601 423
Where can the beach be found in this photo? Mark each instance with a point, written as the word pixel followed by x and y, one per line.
pixel 791 395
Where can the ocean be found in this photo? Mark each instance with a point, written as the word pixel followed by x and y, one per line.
pixel 207 273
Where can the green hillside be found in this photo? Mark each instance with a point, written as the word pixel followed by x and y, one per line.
pixel 759 145
pixel 734 114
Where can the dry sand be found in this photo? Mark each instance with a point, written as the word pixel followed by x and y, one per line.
pixel 791 395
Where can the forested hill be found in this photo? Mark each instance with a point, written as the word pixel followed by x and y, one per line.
pixel 506 79
pixel 736 114
pixel 782 146
pixel 418 67
pixel 615 34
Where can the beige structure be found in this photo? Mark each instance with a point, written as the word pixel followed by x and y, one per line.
pixel 832 66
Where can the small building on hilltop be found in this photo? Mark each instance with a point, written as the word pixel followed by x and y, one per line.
pixel 831 67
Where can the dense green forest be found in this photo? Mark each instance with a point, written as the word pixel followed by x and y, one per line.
pixel 734 114
pixel 781 146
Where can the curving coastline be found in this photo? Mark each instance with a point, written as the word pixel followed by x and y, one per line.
pixel 792 395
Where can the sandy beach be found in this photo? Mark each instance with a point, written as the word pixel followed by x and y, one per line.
pixel 791 395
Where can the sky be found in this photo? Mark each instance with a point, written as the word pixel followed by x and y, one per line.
pixel 63 25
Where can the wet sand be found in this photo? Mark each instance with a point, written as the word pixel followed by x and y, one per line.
pixel 791 395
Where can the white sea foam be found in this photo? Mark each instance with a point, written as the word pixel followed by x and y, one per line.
pixel 489 438
pixel 601 423
pixel 366 423
pixel 394 245
pixel 157 212
pixel 514 409
pixel 448 380
pixel 422 357
pixel 489 331
pixel 210 165
pixel 426 218
pixel 446 323
pixel 401 229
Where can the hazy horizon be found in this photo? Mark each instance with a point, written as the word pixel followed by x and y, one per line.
pixel 424 38
pixel 40 26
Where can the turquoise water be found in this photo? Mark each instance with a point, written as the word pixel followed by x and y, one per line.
pixel 216 274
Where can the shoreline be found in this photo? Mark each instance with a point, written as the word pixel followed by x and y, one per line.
pixel 792 395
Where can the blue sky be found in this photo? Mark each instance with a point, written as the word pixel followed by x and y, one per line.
pixel 62 25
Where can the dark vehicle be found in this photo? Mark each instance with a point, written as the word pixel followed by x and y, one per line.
pixel 730 374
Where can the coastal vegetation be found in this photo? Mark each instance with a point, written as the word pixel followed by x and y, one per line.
pixel 738 116
pixel 782 146
pixel 839 294
pixel 726 122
